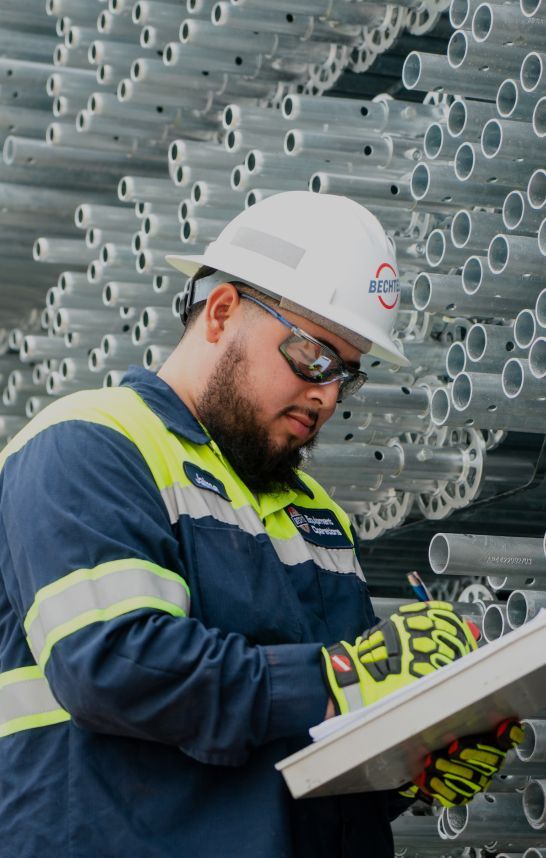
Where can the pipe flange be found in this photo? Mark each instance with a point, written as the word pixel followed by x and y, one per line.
pixel 369 525
pixel 475 592
pixel 458 493
pixel 434 437
pixel 383 516
pixel 422 19
pixel 492 438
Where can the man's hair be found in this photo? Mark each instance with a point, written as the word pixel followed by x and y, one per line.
pixel 206 271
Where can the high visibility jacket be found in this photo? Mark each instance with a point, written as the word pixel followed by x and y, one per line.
pixel 160 630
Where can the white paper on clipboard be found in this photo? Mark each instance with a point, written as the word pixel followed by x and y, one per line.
pixel 383 745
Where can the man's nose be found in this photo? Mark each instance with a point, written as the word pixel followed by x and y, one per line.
pixel 325 394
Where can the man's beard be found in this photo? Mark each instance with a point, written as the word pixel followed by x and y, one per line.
pixel 232 420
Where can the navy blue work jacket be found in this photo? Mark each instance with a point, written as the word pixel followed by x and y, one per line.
pixel 160 631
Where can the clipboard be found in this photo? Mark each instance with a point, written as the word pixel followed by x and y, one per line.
pixel 383 745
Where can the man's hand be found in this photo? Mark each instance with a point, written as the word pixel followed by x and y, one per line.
pixel 455 774
pixel 415 641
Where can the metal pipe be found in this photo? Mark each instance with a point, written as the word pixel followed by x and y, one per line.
pixel 512 103
pixel 523 605
pixel 533 72
pixel 360 458
pixel 506 25
pixel 82 320
pixel 473 230
pixel 536 189
pixel 438 144
pixel 133 188
pixel 387 192
pixel 155 355
pixel 459 554
pixel 464 52
pixel 369 115
pixel 432 72
pixel 494 623
pixel 539 118
pixel 502 138
pixel 387 398
pixel 479 279
pixel 540 309
pixel 438 293
pixel 34 348
pixel 525 331
pixel 518 216
pixel 440 190
pixel 492 343
pixel 466 118
pixel 511 253
pixel 537 359
pixel 103 216
pixel 470 165
pixel 372 150
pixel 519 382
pixel 534 803
pixel 63 250
pixel 440 252
pixel 533 747
pixel 490 816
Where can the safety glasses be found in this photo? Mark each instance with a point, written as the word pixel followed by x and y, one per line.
pixel 311 360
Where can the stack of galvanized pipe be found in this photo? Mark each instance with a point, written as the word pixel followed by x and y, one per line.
pixel 155 143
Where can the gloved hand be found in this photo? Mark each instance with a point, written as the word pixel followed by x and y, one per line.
pixel 455 774
pixel 415 640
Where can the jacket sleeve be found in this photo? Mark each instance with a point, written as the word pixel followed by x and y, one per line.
pixel 93 570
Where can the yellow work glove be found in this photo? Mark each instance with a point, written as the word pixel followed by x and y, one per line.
pixel 415 641
pixel 455 774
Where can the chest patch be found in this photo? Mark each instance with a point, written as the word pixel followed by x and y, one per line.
pixel 205 480
pixel 319 526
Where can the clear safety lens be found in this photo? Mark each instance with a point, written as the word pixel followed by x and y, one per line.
pixel 315 362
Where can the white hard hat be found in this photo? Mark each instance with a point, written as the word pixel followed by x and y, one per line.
pixel 325 257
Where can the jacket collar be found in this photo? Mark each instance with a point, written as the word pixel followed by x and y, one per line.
pixel 177 417
pixel 164 402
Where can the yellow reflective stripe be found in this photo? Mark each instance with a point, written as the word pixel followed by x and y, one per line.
pixel 29 722
pixel 118 408
pixel 20 674
pixel 26 701
pixel 110 590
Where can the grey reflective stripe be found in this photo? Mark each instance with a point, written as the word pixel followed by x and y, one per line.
pixel 198 503
pixel 25 698
pixel 275 248
pixel 298 550
pixel 353 695
pixel 96 594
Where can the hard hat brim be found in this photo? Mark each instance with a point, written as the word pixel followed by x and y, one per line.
pixel 186 264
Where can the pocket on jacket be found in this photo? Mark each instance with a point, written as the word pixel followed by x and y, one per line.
pixel 239 585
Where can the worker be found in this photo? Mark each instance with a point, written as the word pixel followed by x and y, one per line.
pixel 176 590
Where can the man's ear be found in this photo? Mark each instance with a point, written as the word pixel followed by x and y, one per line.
pixel 222 304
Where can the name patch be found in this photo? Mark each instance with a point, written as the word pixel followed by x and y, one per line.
pixel 319 526
pixel 205 480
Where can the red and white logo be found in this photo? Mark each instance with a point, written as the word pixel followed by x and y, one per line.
pixel 341 663
pixel 386 284
pixel 299 520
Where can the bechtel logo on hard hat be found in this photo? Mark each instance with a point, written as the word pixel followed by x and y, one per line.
pixel 386 286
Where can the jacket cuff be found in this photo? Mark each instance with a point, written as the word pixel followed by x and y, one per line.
pixel 298 693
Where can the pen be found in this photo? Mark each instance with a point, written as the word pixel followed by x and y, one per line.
pixel 424 595
pixel 419 587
